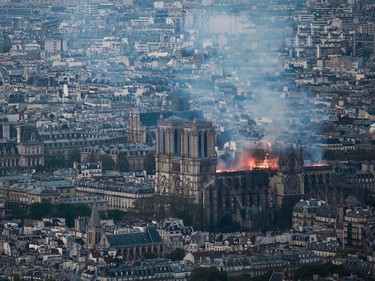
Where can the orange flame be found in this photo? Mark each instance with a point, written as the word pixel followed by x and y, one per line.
pixel 249 162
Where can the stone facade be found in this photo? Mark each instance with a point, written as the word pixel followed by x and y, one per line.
pixel 288 184
pixel 20 147
pixel 185 158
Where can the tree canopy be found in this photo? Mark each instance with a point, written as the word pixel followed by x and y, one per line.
pixel 45 209
pixel 309 270
pixel 150 163
pixel 54 161
pixel 40 210
pixel 107 162
pixel 122 163
pixel 176 255
pixel 73 155
pixel 116 215
pixel 208 274
pixel 71 212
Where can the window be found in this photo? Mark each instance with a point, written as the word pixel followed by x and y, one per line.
pixel 188 145
pixel 175 167
pixel 175 142
pixel 205 148
pixel 199 144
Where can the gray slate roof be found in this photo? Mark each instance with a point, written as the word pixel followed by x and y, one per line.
pixel 150 236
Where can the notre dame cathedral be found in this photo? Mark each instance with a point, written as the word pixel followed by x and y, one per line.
pixel 186 168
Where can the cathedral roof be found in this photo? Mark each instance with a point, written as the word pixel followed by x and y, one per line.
pixel 150 119
pixel 150 236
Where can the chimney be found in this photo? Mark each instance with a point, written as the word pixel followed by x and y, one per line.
pixel 6 131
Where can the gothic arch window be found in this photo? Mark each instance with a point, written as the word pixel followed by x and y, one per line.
pixel 205 144
pixel 175 142
pixel 291 164
pixel 163 140
pixel 32 137
pixel 199 144
pixel 188 145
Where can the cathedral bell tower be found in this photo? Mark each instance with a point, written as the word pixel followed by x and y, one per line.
pixel 185 158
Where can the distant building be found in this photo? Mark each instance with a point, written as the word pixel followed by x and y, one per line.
pixel 20 148
pixel 120 196
pixel 142 125
pixel 5 43
pixel 180 101
pixel 174 233
pixel 354 223
pixel 135 154
pixel 88 170
pixel 312 212
pixel 134 245
pixel 52 45
pixel 24 194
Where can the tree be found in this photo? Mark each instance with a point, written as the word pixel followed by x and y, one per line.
pixel 71 212
pixel 40 210
pixel 149 256
pixel 226 224
pixel 150 163
pixel 208 274
pixel 54 161
pixel 18 213
pixel 116 215
pixel 186 217
pixel 309 270
pixel 248 277
pixel 122 162
pixel 176 255
pixel 74 156
pixel 283 216
pixel 92 157
pixel 107 162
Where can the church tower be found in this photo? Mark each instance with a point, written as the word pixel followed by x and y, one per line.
pixel 185 157
pixel 94 230
pixel 288 184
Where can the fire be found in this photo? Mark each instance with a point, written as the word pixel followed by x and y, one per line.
pixel 248 162
pixel 264 164
pixel 315 164
pixel 318 165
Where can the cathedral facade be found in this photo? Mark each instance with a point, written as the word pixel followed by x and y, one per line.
pixel 186 168
pixel 185 158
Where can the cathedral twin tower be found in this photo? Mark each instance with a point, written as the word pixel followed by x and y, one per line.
pixel 185 157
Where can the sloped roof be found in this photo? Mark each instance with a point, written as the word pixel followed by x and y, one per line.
pixel 150 119
pixel 94 219
pixel 150 236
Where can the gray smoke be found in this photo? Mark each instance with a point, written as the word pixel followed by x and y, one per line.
pixel 250 51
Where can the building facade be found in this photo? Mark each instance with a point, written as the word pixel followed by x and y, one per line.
pixel 21 147
pixel 185 158
pixel 288 184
